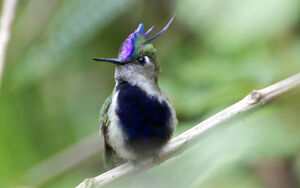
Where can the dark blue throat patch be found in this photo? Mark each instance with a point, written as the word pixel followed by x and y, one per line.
pixel 144 119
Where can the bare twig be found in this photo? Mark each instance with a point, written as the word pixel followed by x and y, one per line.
pixel 7 18
pixel 253 100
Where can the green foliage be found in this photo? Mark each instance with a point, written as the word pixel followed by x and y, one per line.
pixel 213 54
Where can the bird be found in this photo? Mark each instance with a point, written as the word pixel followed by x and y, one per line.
pixel 138 118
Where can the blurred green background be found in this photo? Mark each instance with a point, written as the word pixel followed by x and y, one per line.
pixel 214 53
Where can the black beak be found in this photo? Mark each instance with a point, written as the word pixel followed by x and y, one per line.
pixel 114 61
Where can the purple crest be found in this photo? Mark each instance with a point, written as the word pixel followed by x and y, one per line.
pixel 129 46
pixel 127 49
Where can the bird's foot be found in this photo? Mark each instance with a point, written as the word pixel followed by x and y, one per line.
pixel 136 165
pixel 156 158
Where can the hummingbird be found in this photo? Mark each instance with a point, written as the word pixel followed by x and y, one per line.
pixel 138 119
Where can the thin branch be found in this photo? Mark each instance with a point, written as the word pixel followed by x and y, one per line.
pixel 7 18
pixel 253 100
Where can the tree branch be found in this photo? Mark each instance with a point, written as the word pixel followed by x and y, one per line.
pixel 7 18
pixel 253 100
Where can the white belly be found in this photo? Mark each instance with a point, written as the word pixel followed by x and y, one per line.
pixel 116 136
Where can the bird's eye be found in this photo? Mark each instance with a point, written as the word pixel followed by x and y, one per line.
pixel 142 60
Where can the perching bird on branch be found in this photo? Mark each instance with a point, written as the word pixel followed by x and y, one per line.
pixel 138 119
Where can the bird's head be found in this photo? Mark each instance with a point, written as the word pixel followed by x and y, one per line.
pixel 137 58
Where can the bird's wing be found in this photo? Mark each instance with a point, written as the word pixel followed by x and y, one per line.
pixel 103 119
pixel 104 123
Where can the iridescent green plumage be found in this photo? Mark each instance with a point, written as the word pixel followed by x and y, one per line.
pixel 103 119
pixel 104 123
pixel 150 51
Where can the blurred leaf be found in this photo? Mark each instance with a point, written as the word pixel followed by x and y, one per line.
pixel 230 25
pixel 74 23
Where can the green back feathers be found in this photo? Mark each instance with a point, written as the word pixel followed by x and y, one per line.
pixel 103 112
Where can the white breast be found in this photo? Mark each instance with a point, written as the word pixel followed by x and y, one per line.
pixel 116 136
